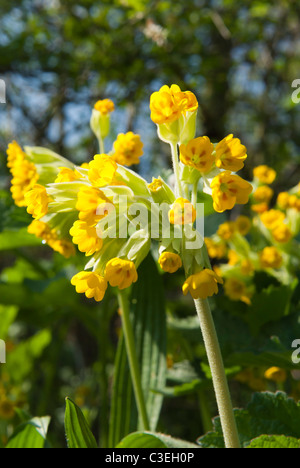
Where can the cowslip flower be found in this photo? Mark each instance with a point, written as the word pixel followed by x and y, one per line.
pixel 227 230
pixel 169 103
pixel 270 257
pixel 272 218
pixel 229 189
pixel 264 174
pixel 104 106
pixel 92 205
pixel 14 154
pixel 243 224
pixel 91 284
pixel 128 148
pixel 282 233
pixel 215 249
pixel 202 284
pixel 102 170
pixel 230 154
pixel 25 176
pixel 263 194
pixel 283 200
pixel 276 374
pixel 198 153
pixel 86 237
pixel 49 236
pixel 182 212
pixel 170 262
pixel 237 290
pixel 121 273
pixel 67 175
pixel 37 201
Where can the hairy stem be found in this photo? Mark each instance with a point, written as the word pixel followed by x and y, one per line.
pixel 175 160
pixel 218 374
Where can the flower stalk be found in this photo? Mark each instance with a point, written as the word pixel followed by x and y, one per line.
pixel 218 373
pixel 132 359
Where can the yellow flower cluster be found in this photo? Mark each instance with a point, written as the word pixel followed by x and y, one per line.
pixel 50 237
pixel 24 174
pixel 169 103
pixel 128 148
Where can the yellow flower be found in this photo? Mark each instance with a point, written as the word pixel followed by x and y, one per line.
pixel 226 230
pixel 263 194
pixel 293 201
pixel 168 104
pixel 170 262
pixel 270 258
pixel 44 232
pixel 198 153
pixel 272 218
pixel 63 246
pixel 91 284
pixel 229 189
pixel 155 185
pixel 202 285
pixel 214 249
pixel 121 273
pixel 264 174
pixel 105 106
pixel 283 200
pixel 276 374
pixel 92 205
pixel 14 154
pixel 260 207
pixel 102 170
pixel 24 178
pixel 128 148
pixel 233 258
pixel 230 154
pixel 182 212
pixel 237 290
pixel 282 233
pixel 39 229
pixel 243 225
pixel 247 267
pixel 67 175
pixel 37 201
pixel 86 237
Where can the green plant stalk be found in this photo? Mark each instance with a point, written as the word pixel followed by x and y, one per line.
pixel 132 359
pixel 218 374
pixel 176 168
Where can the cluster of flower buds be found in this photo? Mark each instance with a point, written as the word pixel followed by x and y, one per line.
pixel 112 214
pixel 273 224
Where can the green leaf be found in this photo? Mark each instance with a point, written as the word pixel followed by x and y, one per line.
pixel 7 316
pixel 32 434
pixel 265 441
pixel 267 413
pixel 153 440
pixel 21 359
pixel 15 239
pixel 149 324
pixel 78 433
pixel 270 305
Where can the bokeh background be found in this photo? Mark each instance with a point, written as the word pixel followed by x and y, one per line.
pixel 57 58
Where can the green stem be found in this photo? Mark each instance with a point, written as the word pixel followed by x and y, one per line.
pixel 195 193
pixel 176 168
pixel 132 359
pixel 218 374
pixel 101 145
